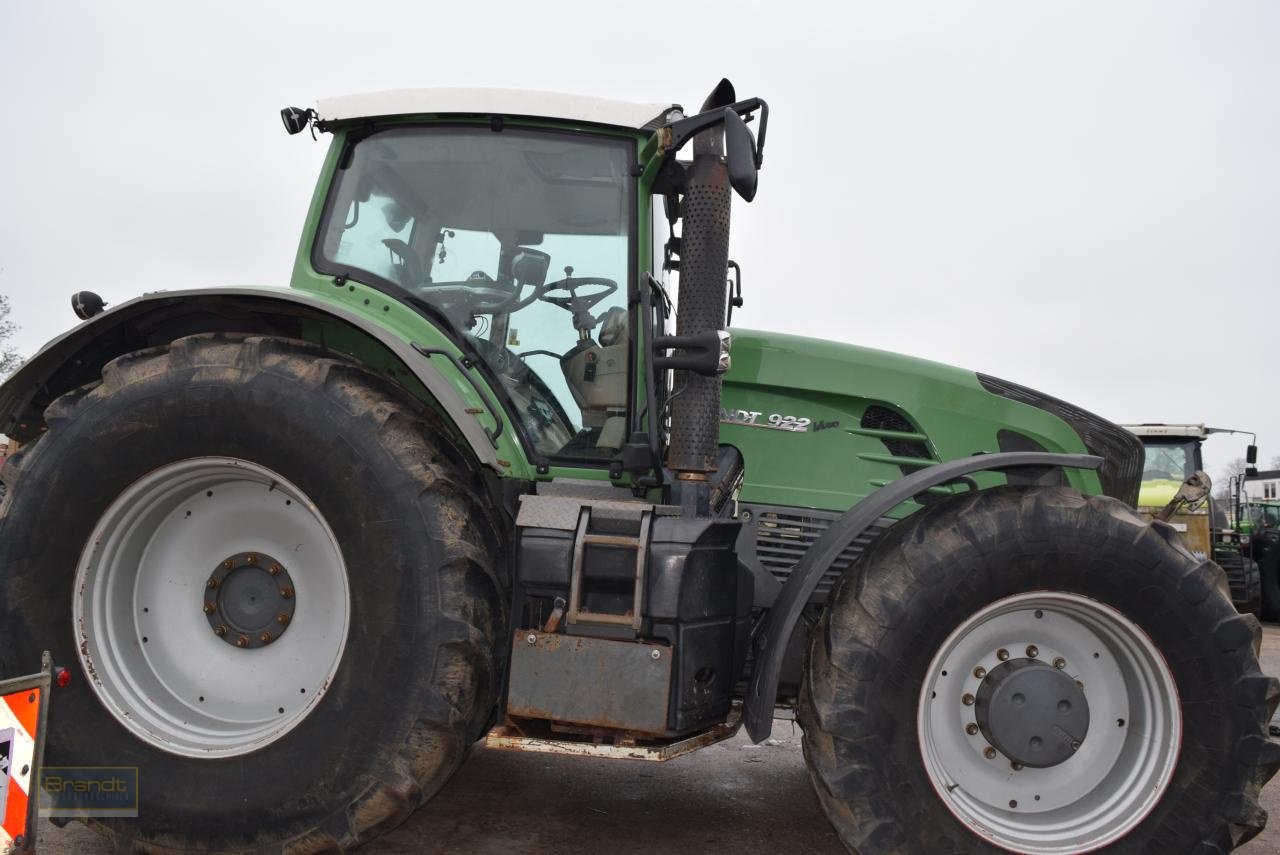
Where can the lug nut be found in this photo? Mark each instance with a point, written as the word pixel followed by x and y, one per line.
pixel 1002 655
pixel 274 570
pixel 1032 651
pixel 971 729
pixel 242 641
pixel 252 559
pixel 265 638
pixel 286 592
pixel 228 564
pixel 967 700
pixel 220 630
pixel 979 672
pixel 1059 663
pixel 212 583
pixel 282 618
pixel 989 753
pixel 210 608
pixel 1015 766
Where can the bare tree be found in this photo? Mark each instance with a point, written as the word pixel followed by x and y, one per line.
pixel 1222 484
pixel 10 360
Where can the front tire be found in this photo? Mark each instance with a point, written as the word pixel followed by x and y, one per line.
pixel 900 744
pixel 170 506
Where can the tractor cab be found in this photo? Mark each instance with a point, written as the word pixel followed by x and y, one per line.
pixel 520 244
pixel 1255 516
pixel 1173 454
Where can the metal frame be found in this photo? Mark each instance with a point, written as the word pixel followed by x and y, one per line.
pixel 581 540
pixel 25 844
pixel 785 614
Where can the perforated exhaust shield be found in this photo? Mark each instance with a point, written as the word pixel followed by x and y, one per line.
pixel 695 407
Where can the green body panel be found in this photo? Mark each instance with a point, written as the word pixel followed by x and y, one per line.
pixel 833 463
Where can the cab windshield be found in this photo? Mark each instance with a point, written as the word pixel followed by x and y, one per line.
pixel 520 239
pixel 1169 460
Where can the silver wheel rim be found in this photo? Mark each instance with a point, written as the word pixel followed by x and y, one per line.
pixel 1121 768
pixel 151 651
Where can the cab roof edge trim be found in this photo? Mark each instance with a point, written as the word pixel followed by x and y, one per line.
pixel 496 102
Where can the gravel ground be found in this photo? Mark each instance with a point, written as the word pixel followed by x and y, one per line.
pixel 732 797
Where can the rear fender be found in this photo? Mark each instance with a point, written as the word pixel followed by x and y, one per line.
pixel 77 357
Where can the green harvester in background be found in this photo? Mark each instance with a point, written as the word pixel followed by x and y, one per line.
pixel 1176 489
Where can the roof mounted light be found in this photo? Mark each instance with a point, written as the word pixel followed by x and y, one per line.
pixel 296 119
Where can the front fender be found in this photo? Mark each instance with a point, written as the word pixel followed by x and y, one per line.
pixel 76 357
pixel 781 620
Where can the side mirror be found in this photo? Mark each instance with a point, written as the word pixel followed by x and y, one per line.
pixel 529 267
pixel 1251 454
pixel 740 155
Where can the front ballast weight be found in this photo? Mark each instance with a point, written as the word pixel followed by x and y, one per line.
pixel 635 622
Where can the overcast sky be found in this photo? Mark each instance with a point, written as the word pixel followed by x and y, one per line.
pixel 1080 197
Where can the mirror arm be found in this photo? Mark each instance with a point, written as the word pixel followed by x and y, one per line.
pixel 672 137
pixel 735 292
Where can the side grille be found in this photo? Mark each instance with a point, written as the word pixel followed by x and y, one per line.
pixel 784 535
pixel 877 417
pixel 1121 451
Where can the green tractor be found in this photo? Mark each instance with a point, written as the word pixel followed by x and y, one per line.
pixel 1176 490
pixel 1257 528
pixel 304 547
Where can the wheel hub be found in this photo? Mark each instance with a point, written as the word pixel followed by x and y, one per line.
pixel 249 600
pixel 1092 796
pixel 1033 713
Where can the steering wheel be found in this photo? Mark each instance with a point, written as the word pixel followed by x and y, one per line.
pixel 579 304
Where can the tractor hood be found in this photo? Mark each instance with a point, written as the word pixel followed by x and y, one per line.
pixel 822 424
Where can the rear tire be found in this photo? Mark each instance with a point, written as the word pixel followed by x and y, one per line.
pixel 417 678
pixel 1269 568
pixel 1243 579
pixel 872 680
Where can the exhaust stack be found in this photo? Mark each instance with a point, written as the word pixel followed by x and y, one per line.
pixel 726 159
pixel 704 260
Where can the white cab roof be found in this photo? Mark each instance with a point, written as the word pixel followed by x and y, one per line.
pixel 496 102
pixel 1170 431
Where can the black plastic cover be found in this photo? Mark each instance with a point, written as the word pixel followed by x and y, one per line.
pixel 1121 451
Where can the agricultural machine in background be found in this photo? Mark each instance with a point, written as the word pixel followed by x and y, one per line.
pixel 1177 490
pixel 462 480
pixel 1256 524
